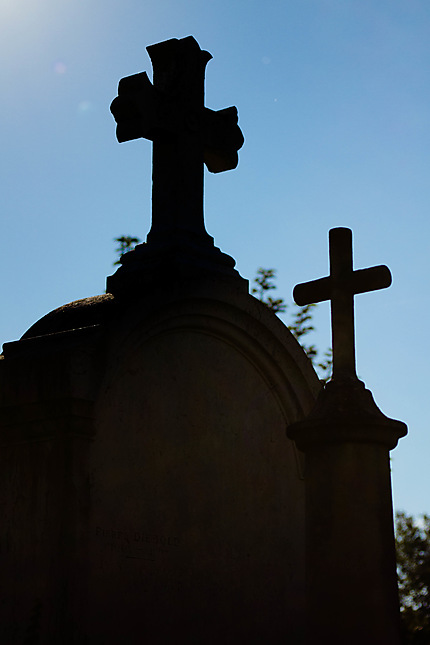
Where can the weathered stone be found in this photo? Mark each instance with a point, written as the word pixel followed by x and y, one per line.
pixel 149 487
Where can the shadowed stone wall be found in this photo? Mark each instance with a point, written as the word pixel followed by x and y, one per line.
pixel 150 488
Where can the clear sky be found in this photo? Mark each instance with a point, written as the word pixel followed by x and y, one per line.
pixel 333 99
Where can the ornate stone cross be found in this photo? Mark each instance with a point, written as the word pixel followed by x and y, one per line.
pixel 185 134
pixel 340 287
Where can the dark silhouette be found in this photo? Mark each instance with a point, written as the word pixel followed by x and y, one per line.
pixel 340 287
pixel 185 135
pixel 350 556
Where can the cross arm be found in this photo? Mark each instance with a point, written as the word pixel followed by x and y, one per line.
pixel 371 279
pixel 360 281
pixel 313 291
pixel 222 139
pixel 135 108
pixel 142 111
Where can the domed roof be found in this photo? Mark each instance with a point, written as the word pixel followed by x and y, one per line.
pixel 74 315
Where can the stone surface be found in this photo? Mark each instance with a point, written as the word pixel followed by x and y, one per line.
pixel 47 393
pixel 149 486
pixel 75 315
pixel 350 557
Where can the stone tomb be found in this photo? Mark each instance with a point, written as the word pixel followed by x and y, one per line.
pixel 150 492
pixel 149 486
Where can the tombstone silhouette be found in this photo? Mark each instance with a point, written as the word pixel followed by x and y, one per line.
pixel 150 491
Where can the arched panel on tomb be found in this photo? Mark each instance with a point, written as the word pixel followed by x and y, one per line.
pixel 198 501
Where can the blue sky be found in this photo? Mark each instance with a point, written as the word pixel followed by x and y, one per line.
pixel 333 99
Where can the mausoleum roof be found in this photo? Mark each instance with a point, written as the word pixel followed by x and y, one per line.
pixel 74 315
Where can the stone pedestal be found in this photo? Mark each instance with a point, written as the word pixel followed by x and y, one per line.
pixel 350 557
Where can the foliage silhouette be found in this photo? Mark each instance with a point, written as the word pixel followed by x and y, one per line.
pixel 301 319
pixel 126 243
pixel 413 572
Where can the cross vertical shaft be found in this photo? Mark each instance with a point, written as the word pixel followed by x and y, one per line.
pixel 177 189
pixel 342 302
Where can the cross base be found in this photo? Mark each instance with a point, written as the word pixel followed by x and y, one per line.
pixel 345 411
pixel 176 260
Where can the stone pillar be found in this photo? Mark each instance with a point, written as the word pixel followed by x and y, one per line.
pixel 350 553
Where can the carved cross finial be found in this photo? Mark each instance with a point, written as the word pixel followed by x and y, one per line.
pixel 171 113
pixel 340 287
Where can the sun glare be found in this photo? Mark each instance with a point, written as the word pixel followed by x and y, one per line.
pixel 6 8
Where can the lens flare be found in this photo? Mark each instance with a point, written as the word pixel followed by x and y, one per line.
pixel 60 68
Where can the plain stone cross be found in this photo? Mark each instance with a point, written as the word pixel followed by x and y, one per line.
pixel 340 287
pixel 171 113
